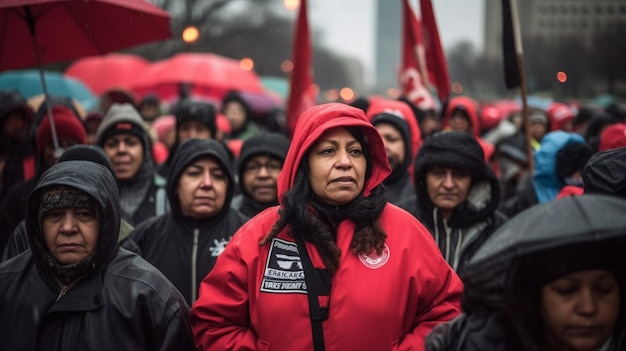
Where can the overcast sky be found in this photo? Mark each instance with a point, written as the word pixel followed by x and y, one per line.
pixel 349 25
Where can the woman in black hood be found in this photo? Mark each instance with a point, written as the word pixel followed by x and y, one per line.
pixel 76 289
pixel 184 243
pixel 466 226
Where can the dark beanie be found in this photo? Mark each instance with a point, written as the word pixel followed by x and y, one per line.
pixel 64 197
pixel 122 119
pixel 399 123
pixel 197 111
pixel 571 158
pixel 270 144
pixel 66 124
pixel 453 149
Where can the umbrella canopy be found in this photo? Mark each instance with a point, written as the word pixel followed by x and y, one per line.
pixel 276 85
pixel 28 83
pixel 210 75
pixel 584 219
pixel 104 72
pixel 48 31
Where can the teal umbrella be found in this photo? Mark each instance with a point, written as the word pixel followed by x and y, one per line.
pixel 28 83
pixel 278 85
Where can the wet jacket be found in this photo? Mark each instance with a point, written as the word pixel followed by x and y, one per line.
pixel 488 322
pixel 146 184
pixel 474 220
pixel 254 298
pixel 19 156
pixel 183 248
pixel 121 303
pixel 544 184
pixel 604 173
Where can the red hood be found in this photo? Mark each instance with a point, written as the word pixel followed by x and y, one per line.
pixel 470 106
pixel 313 123
pixel 401 109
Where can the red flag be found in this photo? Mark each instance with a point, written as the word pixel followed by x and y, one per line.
pixel 414 73
pixel 435 59
pixel 301 95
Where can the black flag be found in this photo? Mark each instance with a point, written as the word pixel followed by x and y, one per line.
pixel 509 54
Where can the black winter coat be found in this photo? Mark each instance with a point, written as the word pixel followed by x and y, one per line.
pixel 185 249
pixel 121 303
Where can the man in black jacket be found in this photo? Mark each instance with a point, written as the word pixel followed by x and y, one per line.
pixel 76 288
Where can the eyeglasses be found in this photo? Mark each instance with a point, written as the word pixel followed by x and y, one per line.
pixel 255 167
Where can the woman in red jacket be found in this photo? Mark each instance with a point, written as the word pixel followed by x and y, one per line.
pixel 334 266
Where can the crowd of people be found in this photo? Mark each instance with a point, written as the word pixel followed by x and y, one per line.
pixel 373 225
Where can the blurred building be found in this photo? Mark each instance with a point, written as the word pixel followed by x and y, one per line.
pixel 555 19
pixel 388 43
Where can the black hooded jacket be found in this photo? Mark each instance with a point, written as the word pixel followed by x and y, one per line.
pixel 476 218
pixel 274 145
pixel 17 154
pixel 121 303
pixel 183 248
pixel 604 173
pixel 398 185
pixel 503 280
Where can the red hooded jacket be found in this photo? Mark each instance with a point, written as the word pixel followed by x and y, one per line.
pixel 253 299
pixel 471 107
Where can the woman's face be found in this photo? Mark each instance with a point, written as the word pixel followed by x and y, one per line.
pixel 337 167
pixel 579 310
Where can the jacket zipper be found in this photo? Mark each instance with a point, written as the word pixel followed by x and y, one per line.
pixel 66 288
pixel 194 255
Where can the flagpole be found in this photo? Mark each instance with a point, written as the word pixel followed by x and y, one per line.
pixel 522 77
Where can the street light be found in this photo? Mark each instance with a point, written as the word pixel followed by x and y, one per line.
pixel 346 94
pixel 246 64
pixel 291 4
pixel 190 34
pixel 286 66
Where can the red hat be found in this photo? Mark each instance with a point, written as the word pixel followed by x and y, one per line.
pixel 613 137
pixel 66 124
pixel 489 117
pixel 559 114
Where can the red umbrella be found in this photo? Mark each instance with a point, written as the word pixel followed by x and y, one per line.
pixel 47 31
pixel 101 73
pixel 36 32
pixel 210 75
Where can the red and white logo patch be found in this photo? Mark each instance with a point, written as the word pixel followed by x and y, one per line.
pixel 373 260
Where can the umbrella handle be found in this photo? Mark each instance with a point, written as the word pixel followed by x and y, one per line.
pixel 31 24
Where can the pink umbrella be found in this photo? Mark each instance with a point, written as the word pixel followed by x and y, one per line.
pixel 101 73
pixel 210 75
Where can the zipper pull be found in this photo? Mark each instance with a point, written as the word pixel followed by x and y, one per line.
pixel 64 290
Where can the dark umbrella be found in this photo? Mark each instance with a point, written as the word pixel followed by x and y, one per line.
pixel 585 219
